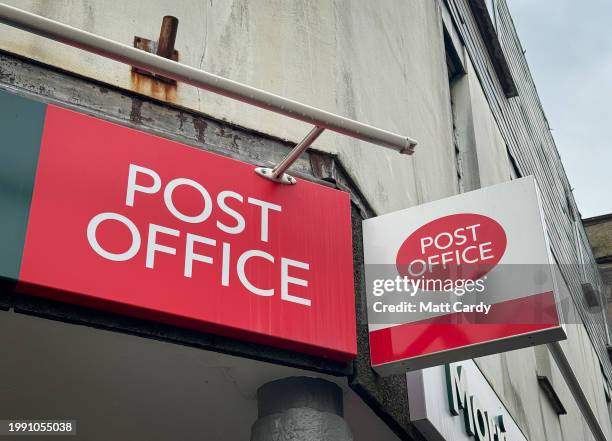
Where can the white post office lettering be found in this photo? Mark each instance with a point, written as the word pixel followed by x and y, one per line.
pixel 165 240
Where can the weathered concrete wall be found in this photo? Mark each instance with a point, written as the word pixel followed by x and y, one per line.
pixel 524 127
pixel 493 163
pixel 300 409
pixel 481 151
pixel 513 375
pixel 382 66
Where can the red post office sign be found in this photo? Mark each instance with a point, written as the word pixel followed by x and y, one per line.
pixel 461 277
pixel 139 225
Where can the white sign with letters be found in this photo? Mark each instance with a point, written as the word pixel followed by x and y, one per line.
pixel 461 277
pixel 455 402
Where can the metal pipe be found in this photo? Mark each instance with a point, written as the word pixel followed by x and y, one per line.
pixel 125 54
pixel 295 153
pixel 167 36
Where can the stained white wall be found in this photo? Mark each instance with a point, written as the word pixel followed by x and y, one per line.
pixel 493 163
pixel 513 374
pixel 384 66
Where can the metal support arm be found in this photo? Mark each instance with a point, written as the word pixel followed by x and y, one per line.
pixel 278 173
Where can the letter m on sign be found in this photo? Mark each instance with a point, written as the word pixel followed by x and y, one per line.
pixel 456 387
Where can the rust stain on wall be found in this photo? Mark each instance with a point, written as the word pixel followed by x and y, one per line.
pixel 199 124
pixel 152 87
pixel 135 113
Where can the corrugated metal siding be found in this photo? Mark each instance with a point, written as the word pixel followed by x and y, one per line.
pixel 526 132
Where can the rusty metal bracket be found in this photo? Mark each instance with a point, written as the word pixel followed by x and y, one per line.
pixel 163 47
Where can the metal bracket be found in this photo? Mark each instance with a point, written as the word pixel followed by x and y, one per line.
pixel 267 172
pixel 164 46
pixel 277 174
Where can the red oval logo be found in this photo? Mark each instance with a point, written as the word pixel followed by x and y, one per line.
pixel 459 246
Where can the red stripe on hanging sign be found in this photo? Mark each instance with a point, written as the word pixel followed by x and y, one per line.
pixel 457 330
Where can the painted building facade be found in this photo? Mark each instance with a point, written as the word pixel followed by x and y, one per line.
pixel 450 74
